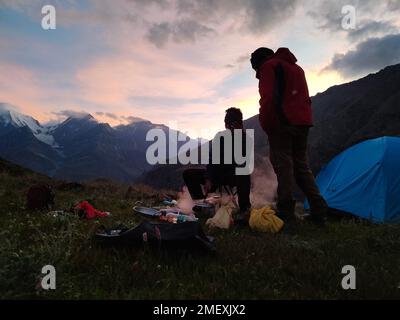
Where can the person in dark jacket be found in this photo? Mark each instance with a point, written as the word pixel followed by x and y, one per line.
pixel 200 182
pixel 286 116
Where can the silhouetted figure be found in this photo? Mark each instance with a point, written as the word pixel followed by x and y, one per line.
pixel 200 182
pixel 286 117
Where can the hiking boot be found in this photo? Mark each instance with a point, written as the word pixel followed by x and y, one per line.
pixel 285 211
pixel 318 220
pixel 287 218
pixel 319 216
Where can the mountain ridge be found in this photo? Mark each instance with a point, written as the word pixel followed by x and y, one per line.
pixel 78 148
pixel 344 115
pixel 84 148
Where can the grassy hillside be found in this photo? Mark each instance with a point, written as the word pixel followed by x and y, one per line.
pixel 302 263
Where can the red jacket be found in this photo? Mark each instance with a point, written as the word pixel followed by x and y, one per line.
pixel 284 92
pixel 89 211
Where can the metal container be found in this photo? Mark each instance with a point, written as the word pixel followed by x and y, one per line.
pixel 204 210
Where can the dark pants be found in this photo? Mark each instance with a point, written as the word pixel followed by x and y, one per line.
pixel 288 155
pixel 194 178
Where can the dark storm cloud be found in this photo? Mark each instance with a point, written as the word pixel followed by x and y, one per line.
pixel 328 16
pixel 371 28
pixel 393 5
pixel 260 14
pixel 181 31
pixel 159 34
pixel 201 18
pixel 188 30
pixel 369 56
pixel 376 42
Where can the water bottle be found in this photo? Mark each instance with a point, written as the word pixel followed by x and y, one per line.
pixel 185 218
pixel 178 218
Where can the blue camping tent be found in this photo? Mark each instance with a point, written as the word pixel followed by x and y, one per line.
pixel 365 180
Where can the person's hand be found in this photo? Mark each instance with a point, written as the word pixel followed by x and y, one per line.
pixel 207 186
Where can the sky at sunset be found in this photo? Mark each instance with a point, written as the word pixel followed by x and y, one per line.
pixel 179 61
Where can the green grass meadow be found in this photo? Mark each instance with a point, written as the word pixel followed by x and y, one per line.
pixel 303 262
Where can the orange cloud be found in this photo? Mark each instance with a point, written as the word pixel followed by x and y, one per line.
pixel 18 86
pixel 142 71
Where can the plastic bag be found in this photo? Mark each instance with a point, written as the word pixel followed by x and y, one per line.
pixel 223 217
pixel 265 220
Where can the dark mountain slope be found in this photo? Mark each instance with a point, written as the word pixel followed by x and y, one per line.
pixel 343 115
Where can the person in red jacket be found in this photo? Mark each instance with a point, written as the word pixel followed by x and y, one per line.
pixel 286 117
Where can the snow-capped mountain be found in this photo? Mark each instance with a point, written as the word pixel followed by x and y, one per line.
pixel 78 148
pixel 10 117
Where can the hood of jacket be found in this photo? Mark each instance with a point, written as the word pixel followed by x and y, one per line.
pixel 285 54
pixel 281 54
